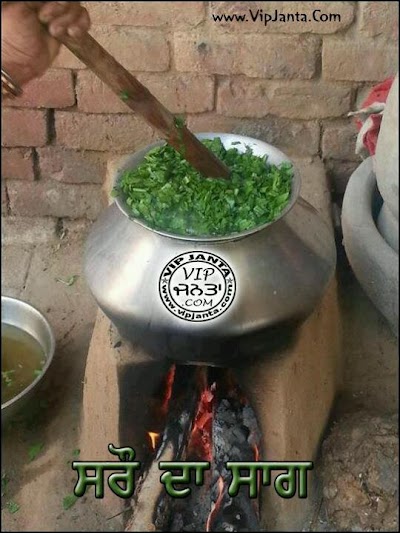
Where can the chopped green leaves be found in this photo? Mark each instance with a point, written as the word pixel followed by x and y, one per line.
pixel 69 282
pixel 7 377
pixel 179 125
pixel 179 122
pixel 4 483
pixel 124 95
pixel 12 507
pixel 69 501
pixel 167 193
pixel 35 450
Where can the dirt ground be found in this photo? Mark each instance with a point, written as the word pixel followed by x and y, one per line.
pixel 359 457
pixel 51 421
pixel 360 473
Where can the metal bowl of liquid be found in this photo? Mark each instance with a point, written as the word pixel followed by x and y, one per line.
pixel 27 350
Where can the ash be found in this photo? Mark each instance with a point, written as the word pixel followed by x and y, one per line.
pixel 208 508
pixel 235 433
pixel 236 437
pixel 190 514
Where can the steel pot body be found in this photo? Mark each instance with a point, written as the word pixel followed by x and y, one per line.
pixel 217 300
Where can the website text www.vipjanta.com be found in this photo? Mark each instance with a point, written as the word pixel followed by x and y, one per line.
pixel 259 16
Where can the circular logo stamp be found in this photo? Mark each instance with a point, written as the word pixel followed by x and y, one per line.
pixel 197 286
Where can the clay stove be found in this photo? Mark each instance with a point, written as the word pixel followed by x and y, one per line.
pixel 129 397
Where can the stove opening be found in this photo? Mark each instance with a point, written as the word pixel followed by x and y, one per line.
pixel 201 415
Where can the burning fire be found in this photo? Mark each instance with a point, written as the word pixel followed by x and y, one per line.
pixel 154 439
pixel 168 388
pixel 256 452
pixel 169 382
pixel 200 442
pixel 216 505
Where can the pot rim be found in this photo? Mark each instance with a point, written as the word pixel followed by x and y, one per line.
pixel 267 148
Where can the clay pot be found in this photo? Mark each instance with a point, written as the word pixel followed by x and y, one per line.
pixel 386 161
pixel 374 262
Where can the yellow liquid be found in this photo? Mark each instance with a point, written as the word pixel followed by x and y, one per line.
pixel 22 360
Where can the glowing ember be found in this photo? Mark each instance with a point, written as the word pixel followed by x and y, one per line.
pixel 223 408
pixel 154 439
pixel 256 452
pixel 216 505
pixel 168 388
pixel 200 442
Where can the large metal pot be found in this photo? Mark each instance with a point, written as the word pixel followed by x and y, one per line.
pixel 211 300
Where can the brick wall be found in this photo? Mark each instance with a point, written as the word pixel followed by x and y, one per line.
pixel 290 84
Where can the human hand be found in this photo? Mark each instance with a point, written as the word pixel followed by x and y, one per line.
pixel 27 46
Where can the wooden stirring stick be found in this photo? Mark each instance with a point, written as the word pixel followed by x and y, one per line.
pixel 138 97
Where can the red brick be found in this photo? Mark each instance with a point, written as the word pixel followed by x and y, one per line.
pixel 19 231
pixel 136 49
pixel 276 58
pixel 17 164
pixel 264 56
pixel 217 54
pixel 49 198
pixel 71 166
pixel 117 133
pixel 23 127
pixel 358 61
pixel 242 97
pixel 339 141
pixel 146 13
pixel 310 100
pixel 292 137
pixel 94 96
pixel 55 90
pixel 211 122
pixel 180 93
pixel 379 18
pixel 285 14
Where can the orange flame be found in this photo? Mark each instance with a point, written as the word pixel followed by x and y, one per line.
pixel 154 439
pixel 256 452
pixel 216 505
pixel 200 440
pixel 168 392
